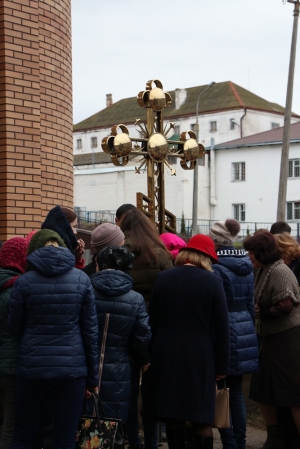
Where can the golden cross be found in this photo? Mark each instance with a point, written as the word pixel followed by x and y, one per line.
pixel 154 147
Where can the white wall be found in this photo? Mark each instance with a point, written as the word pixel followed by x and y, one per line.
pixel 259 192
pixel 110 190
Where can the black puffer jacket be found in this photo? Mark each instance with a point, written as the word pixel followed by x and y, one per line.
pixel 8 343
pixel 128 330
pixel 52 309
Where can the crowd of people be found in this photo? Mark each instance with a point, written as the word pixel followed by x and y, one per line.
pixel 180 319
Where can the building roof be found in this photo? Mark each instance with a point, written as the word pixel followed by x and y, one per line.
pixel 220 97
pixel 91 158
pixel 272 137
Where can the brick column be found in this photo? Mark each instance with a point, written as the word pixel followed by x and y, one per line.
pixel 36 154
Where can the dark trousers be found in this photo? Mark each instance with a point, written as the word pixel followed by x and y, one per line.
pixel 132 424
pixel 7 400
pixel 66 396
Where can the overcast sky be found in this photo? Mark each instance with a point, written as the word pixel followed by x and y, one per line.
pixel 118 45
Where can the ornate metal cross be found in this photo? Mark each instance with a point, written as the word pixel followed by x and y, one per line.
pixel 155 148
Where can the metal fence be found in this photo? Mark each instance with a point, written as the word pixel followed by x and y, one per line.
pixel 90 219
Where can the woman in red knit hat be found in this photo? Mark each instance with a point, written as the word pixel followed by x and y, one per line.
pixel 12 264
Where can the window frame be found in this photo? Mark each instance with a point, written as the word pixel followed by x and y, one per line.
pixel 290 210
pixel 94 140
pixel 78 144
pixel 213 126
pixel 239 211
pixel 293 167
pixel 238 171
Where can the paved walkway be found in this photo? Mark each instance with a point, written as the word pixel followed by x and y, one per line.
pixel 255 439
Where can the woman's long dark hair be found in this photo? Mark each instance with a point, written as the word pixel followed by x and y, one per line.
pixel 143 236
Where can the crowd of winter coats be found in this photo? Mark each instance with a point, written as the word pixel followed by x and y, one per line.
pixel 55 310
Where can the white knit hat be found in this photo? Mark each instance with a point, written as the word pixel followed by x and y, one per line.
pixel 224 233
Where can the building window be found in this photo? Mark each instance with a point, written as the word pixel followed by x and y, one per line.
pixel 274 125
pixel 232 123
pixel 294 168
pixel 194 127
pixel 293 210
pixel 239 212
pixel 213 127
pixel 239 171
pixel 94 143
pixel 78 144
pixel 177 130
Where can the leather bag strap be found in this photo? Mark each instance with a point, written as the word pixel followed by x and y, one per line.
pixel 103 349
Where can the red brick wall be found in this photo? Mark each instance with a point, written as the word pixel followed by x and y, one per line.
pixel 36 154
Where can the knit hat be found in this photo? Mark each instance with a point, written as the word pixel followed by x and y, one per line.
pixel 58 222
pixel 106 234
pixel 224 233
pixel 13 254
pixel 69 213
pixel 115 257
pixel 42 237
pixel 173 243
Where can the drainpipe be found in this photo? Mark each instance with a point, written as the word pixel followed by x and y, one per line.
pixel 213 200
pixel 241 121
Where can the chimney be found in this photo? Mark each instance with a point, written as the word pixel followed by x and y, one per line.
pixel 109 100
pixel 180 97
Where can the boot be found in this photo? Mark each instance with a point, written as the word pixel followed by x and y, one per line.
pixel 274 438
pixel 203 442
pixel 176 437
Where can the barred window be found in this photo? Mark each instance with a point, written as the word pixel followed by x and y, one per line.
pixel 293 210
pixel 239 212
pixel 78 144
pixel 239 171
pixel 294 168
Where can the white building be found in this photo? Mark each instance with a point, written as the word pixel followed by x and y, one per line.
pixel 245 177
pixel 226 112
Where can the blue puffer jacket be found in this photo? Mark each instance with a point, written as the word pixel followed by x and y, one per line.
pixel 235 269
pixel 52 309
pixel 128 329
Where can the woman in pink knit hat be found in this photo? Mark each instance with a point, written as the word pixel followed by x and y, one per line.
pixel 173 242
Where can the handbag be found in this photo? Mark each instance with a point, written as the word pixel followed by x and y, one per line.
pixel 222 416
pixel 95 431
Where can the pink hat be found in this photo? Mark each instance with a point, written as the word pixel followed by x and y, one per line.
pixel 173 243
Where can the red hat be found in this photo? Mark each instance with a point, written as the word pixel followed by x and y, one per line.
pixel 13 254
pixel 205 244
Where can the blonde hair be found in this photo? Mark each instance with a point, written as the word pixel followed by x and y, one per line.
pixel 194 257
pixel 288 246
pixel 51 243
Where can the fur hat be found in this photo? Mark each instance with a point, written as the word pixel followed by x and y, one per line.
pixel 173 243
pixel 13 254
pixel 115 257
pixel 224 233
pixel 40 238
pixel 106 234
pixel 58 222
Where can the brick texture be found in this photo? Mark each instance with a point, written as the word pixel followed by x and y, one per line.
pixel 36 150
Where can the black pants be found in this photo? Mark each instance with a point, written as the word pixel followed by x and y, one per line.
pixel 66 397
